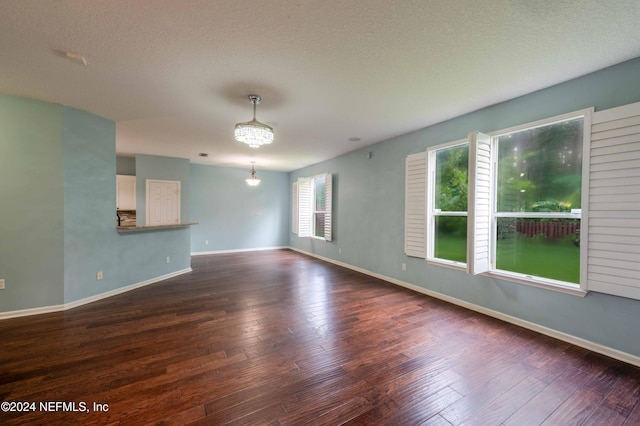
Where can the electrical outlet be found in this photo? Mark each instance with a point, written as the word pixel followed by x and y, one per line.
pixel 1 284
pixel 168 259
pixel 404 266
pixel 99 275
pixel 206 242
pixel 339 250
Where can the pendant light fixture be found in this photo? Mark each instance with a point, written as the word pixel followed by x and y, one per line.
pixel 252 180
pixel 254 133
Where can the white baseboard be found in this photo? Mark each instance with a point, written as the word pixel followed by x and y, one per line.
pixel 76 303
pixel 202 253
pixel 587 344
pixel 31 311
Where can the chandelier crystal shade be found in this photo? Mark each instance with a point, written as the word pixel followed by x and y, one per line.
pixel 254 133
pixel 253 179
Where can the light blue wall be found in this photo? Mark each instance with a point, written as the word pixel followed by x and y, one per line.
pixel 31 203
pixel 58 227
pixel 369 214
pixel 126 166
pixel 234 216
pixel 89 198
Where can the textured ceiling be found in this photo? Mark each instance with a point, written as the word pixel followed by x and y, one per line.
pixel 175 75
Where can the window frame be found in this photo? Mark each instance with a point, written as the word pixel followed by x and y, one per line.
pixel 536 281
pixel 609 170
pixel 304 207
pixel 432 213
pixel 314 210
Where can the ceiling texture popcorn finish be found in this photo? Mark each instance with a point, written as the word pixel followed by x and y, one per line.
pixel 334 75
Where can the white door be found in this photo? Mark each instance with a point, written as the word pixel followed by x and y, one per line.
pixel 163 202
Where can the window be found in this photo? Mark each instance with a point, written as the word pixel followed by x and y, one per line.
pixel 531 231
pixel 538 200
pixel 552 204
pixel 448 179
pixel 320 205
pixel 311 207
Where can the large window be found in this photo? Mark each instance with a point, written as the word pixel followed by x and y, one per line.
pixel 552 204
pixel 538 200
pixel 509 203
pixel 311 207
pixel 447 203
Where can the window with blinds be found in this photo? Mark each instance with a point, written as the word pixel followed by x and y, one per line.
pixel 312 207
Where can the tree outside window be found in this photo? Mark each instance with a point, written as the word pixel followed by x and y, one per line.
pixel 538 200
pixel 449 203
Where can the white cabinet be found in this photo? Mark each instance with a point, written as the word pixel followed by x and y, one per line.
pixel 125 192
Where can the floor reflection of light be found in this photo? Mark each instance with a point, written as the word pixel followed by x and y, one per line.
pixel 316 293
pixel 316 309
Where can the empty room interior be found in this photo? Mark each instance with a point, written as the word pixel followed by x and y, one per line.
pixel 320 212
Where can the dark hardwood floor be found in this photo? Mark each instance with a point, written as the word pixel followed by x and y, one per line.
pixel 279 338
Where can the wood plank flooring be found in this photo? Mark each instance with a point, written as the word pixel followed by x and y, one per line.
pixel 279 338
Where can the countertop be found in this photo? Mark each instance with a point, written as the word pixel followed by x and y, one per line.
pixel 123 229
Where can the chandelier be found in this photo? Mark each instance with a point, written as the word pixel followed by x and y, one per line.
pixel 253 179
pixel 254 133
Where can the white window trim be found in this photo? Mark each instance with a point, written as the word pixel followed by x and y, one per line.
pixel 432 213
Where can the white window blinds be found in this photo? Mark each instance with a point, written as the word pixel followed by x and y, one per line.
pixel 305 207
pixel 613 257
pixel 415 205
pixel 304 201
pixel 328 207
pixel 479 217
pixel 295 217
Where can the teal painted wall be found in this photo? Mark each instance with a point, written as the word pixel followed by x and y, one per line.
pixel 161 168
pixel 89 200
pixel 234 216
pixel 58 227
pixel 31 199
pixel 369 214
pixel 125 166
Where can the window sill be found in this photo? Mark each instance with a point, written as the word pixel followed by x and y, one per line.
pixel 547 285
pixel 458 266
pixel 516 278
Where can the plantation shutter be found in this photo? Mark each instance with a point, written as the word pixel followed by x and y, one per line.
pixel 305 206
pixel 294 208
pixel 328 207
pixel 415 205
pixel 479 216
pixel 613 257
